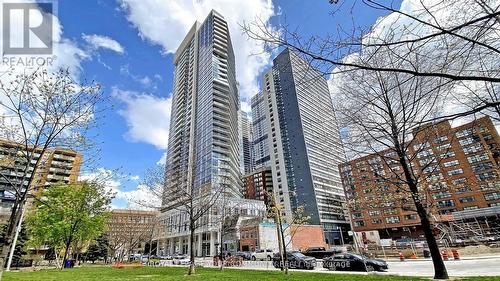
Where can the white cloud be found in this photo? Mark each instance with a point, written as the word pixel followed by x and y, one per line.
pixel 140 198
pixel 245 106
pixel 105 177
pixel 104 42
pixel 167 22
pixel 163 159
pixel 147 117
pixel 145 81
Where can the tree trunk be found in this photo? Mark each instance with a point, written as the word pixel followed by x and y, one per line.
pixel 440 271
pixel 281 244
pixel 57 257
pixel 191 270
pixel 66 251
pixel 221 246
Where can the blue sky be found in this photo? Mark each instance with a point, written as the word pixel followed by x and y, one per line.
pixel 127 47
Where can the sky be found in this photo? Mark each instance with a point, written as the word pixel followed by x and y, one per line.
pixel 127 46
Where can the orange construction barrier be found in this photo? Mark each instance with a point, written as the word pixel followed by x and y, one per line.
pixel 414 256
pixel 456 256
pixel 401 256
pixel 445 255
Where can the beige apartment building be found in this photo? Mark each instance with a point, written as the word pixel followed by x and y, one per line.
pixel 57 165
pixel 129 231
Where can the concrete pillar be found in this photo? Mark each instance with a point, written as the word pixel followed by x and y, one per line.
pixel 198 245
pixel 212 243
pixel 171 242
pixel 189 245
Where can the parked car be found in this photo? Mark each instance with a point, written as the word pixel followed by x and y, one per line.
pixel 294 260
pixel 321 252
pixel 354 262
pixel 244 255
pixel 181 260
pixel 178 256
pixel 166 257
pixel 262 255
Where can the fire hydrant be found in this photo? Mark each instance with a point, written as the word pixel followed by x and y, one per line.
pixel 445 255
pixel 456 256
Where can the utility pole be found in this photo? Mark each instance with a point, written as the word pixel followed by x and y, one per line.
pixel 16 236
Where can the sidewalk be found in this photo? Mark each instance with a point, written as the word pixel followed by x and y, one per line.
pixel 476 257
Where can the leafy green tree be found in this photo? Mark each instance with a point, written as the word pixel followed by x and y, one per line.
pixel 66 213
pixel 98 250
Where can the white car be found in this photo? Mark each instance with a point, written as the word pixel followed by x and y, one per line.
pixel 181 260
pixel 262 255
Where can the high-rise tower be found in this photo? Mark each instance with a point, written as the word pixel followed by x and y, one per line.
pixel 203 149
pixel 304 143
pixel 246 160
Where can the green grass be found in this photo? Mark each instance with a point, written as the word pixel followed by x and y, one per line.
pixel 178 273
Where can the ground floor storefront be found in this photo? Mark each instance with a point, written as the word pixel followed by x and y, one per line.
pixel 205 244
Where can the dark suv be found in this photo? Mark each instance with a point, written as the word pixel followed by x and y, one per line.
pixel 354 262
pixel 294 260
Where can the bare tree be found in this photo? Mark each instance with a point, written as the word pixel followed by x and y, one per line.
pixel 195 204
pixel 286 229
pixel 457 41
pixel 381 112
pixel 42 110
pixel 127 229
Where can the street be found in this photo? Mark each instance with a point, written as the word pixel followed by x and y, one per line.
pixel 460 268
pixel 481 266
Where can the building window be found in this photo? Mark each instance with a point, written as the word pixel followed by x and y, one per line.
pixel 420 146
pixel 448 154
pixel 455 172
pixel 451 163
pixel 390 211
pixel 359 223
pixel 445 204
pixel 473 148
pixel 411 217
pixel 459 181
pixel 392 219
pixel 467 199
pixel 357 215
pixel 463 133
pixel 492 196
pixel 490 186
pixel 464 189
pixel 441 139
pixel 478 157
pixel 441 195
pixel 487 176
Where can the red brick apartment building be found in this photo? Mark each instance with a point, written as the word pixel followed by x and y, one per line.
pixel 257 184
pixel 459 181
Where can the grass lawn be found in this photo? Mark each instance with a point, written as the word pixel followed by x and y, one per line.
pixel 178 273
